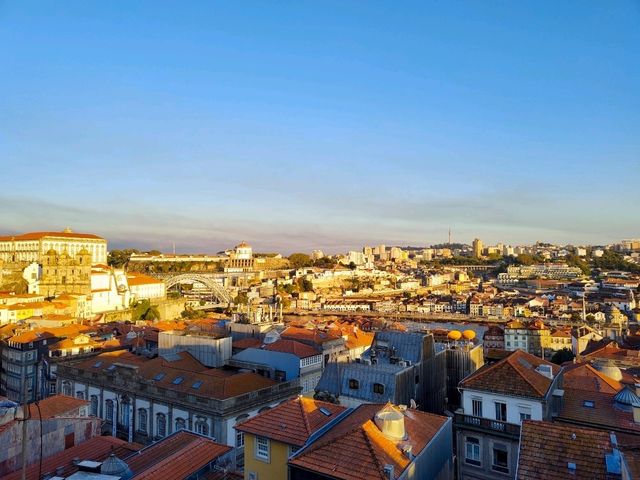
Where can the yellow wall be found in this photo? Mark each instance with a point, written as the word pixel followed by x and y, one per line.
pixel 274 469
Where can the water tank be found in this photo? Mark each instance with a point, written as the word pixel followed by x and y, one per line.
pixel 469 334
pixel 454 335
pixel 390 421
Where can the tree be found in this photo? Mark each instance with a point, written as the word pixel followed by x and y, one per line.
pixel 119 258
pixel 352 266
pixel 561 356
pixel 305 285
pixel 575 261
pixel 154 252
pixel 143 310
pixel 241 299
pixel 325 262
pixel 300 260
pixel 591 318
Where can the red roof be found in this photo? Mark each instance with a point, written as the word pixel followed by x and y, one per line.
pixel 56 406
pixel 40 235
pixel 582 376
pixel 513 375
pixel 300 350
pixel 212 382
pixel 355 449
pixel 96 449
pixel 176 456
pixel 547 449
pixel 292 422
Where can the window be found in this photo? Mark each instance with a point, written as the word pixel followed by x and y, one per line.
pixel 161 425
pixel 262 448
pixel 501 411
pixel 589 404
pixel 378 388
pixel 476 405
pixel 472 451
pixel 177 381
pixel 158 377
pixel 109 410
pixel 80 394
pixel 201 426
pixel 180 424
pixel 197 384
pixel 354 384
pixel 239 439
pixel 66 388
pixel 417 379
pixel 525 413
pixel 142 420
pixel 94 405
pixel 500 458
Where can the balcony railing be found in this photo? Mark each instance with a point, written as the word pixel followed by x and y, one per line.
pixel 497 426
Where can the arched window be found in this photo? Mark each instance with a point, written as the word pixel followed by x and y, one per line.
pixel 161 425
pixel 180 424
pixel 80 394
pixel 142 420
pixel 201 426
pixel 354 384
pixel 66 388
pixel 109 410
pixel 94 405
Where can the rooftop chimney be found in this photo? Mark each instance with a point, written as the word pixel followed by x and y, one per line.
pixel 388 471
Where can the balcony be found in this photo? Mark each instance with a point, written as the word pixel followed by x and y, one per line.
pixel 487 425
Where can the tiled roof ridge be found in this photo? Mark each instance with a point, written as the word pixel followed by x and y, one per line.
pixel 305 418
pixel 487 368
pixel 524 377
pixel 608 380
pixel 372 452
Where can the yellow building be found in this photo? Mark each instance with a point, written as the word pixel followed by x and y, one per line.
pixel 271 437
pixel 477 248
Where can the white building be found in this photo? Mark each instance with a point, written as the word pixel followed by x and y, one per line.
pixel 495 401
pixel 31 247
pixel 109 290
pixel 145 287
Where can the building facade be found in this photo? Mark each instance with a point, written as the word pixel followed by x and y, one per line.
pixel 495 401
pixel 32 247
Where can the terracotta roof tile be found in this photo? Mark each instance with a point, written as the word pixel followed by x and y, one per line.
pixel 176 456
pixel 214 382
pixel 39 235
pixel 603 414
pixel 355 449
pixel 546 449
pixel 292 422
pixel 56 406
pixel 96 449
pixel 298 349
pixel 582 376
pixel 513 375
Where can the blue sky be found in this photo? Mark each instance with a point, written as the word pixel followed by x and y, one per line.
pixel 300 125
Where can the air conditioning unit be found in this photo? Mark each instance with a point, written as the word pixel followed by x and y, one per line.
pixel 402 363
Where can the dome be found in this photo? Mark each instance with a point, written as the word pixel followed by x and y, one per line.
pixel 454 335
pixel 626 399
pixel 390 421
pixel 84 251
pixel 469 334
pixel 114 466
pixel 608 368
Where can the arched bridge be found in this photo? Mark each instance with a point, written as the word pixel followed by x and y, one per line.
pixel 218 290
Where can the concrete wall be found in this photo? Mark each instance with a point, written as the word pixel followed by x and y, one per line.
pixel 54 432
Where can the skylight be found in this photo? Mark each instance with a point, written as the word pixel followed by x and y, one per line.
pixel 197 384
pixel 324 411
pixel 111 368
pixel 98 364
pixel 159 376
pixel 177 380
pixel 589 404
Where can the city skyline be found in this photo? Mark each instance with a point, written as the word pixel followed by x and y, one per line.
pixel 298 127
